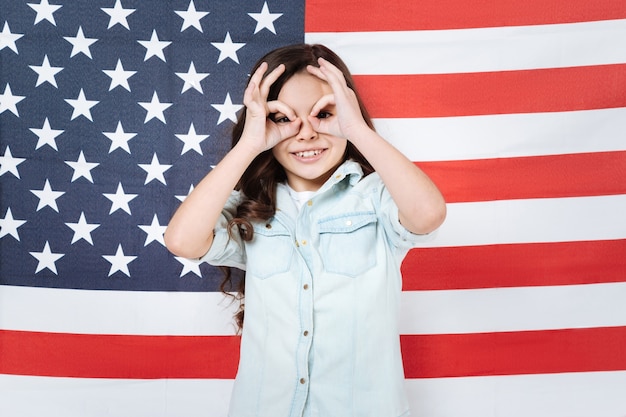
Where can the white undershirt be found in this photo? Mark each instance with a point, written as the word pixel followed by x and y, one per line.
pixel 300 197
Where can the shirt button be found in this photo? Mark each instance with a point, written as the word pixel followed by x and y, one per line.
pixel 348 222
pixel 302 381
pixel 305 286
pixel 309 203
pixel 304 242
pixel 297 244
pixel 306 333
pixel 268 226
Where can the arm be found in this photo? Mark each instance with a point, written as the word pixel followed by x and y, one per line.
pixel 190 231
pixel 421 206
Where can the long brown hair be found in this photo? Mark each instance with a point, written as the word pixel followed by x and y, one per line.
pixel 258 183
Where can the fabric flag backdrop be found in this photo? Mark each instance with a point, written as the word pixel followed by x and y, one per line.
pixel 111 110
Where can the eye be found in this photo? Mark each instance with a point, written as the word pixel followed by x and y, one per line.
pixel 279 118
pixel 323 115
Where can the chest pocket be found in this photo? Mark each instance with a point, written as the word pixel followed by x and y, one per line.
pixel 270 252
pixel 348 243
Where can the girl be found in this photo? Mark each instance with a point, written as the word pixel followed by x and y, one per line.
pixel 323 213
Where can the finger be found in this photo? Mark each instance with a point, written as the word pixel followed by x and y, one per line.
pixel 271 79
pixel 257 77
pixel 277 106
pixel 323 102
pixel 288 130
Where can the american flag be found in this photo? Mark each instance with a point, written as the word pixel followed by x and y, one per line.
pixel 111 110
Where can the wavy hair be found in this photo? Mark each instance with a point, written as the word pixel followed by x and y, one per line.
pixel 258 182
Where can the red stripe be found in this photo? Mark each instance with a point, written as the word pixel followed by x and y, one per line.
pixel 425 356
pixel 397 15
pixel 549 176
pixel 515 265
pixel 515 353
pixel 503 92
pixel 118 356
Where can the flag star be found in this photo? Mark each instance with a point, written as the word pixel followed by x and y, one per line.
pixel 44 11
pixel 228 110
pixel 155 170
pixel 191 140
pixel 191 17
pixel 192 78
pixel 228 49
pixel 182 198
pixel 154 47
pixel 9 102
pixel 82 106
pixel 119 76
pixel 47 197
pixel 46 135
pixel 8 163
pixel 82 229
pixel 120 200
pixel 155 231
pixel 46 72
pixel 80 44
pixel 9 225
pixel 82 168
pixel 118 14
pixel 265 19
pixel 7 39
pixel 119 261
pixel 155 108
pixel 47 259
pixel 189 265
pixel 119 138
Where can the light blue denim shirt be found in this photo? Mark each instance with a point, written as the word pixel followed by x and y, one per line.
pixel 323 289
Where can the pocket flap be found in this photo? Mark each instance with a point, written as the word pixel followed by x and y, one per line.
pixel 346 222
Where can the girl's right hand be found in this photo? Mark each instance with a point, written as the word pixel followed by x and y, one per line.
pixel 260 132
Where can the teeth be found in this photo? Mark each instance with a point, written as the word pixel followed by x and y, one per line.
pixel 308 154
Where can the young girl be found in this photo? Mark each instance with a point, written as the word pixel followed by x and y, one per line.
pixel 323 213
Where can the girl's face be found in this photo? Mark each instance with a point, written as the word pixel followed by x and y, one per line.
pixel 309 158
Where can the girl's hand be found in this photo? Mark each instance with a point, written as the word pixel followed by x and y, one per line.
pixel 260 132
pixel 349 120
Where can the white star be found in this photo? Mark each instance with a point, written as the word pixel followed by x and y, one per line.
pixel 155 231
pixel 80 44
pixel 119 261
pixel 46 135
pixel 192 78
pixel 47 259
pixel 191 140
pixel 154 47
pixel 120 200
pixel 82 168
pixel 189 265
pixel 155 170
pixel 119 138
pixel 118 15
pixel 7 39
pixel 47 197
pixel 228 49
pixel 45 72
pixel 119 76
pixel 182 198
pixel 155 108
pixel 9 102
pixel 228 110
pixel 82 229
pixel 44 11
pixel 82 106
pixel 265 19
pixel 9 164
pixel 191 17
pixel 9 225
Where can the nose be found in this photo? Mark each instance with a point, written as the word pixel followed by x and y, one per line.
pixel 306 132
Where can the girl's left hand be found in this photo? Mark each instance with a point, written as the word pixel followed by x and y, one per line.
pixel 348 120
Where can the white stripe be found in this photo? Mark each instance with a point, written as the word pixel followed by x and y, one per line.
pixel 597 394
pixel 532 220
pixel 115 312
pixel 479 50
pixel 506 135
pixel 24 396
pixel 513 309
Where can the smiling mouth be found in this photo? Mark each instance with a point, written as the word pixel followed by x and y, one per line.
pixel 308 154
